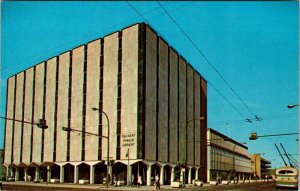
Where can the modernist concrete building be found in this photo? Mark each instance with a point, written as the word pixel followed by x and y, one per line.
pixel 227 158
pixel 2 168
pixel 151 95
pixel 260 166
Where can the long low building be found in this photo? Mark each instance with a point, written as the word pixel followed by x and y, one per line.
pixel 227 158
pixel 129 87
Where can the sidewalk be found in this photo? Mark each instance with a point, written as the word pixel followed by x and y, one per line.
pixel 92 186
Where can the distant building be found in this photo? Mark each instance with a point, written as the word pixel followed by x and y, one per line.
pixel 260 166
pixel 227 158
pixel 150 94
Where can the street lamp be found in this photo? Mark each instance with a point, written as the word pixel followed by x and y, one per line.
pixel 107 137
pixel 107 168
pixel 244 143
pixel 254 136
pixel 233 156
pixel 185 144
pixel 292 105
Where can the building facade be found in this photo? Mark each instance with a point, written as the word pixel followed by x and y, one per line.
pixel 150 94
pixel 260 166
pixel 227 158
pixel 2 168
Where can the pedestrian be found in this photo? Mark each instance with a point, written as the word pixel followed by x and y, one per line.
pixel 115 180
pixel 108 179
pixel 157 184
pixel 140 182
pixel 218 179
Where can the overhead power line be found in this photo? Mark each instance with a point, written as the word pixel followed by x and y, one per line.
pixel 146 20
pixel 225 98
pixel 254 119
pixel 206 59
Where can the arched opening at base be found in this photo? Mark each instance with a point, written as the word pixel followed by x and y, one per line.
pixel 31 173
pixel 55 172
pixel 43 173
pixel 155 170
pixel 68 173
pixel 100 173
pixel 167 174
pixel 186 175
pixel 193 174
pixel 84 172
pixel 139 169
pixel 177 173
pixel 22 174
pixel 120 171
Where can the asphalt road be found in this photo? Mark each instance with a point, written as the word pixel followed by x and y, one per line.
pixel 267 186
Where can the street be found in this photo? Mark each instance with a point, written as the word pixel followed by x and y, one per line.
pixel 267 186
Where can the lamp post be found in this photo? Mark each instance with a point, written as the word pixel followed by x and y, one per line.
pixel 244 143
pixel 185 146
pixel 107 168
pixel 107 137
pixel 233 157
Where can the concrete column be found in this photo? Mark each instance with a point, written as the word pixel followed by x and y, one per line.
pixel 17 174
pixel 161 179
pixel 61 174
pixel 172 174
pixel 92 174
pixel 7 171
pixel 11 172
pixel 48 174
pixel 26 174
pixel 76 174
pixel 149 176
pixel 110 173
pixel 37 173
pixel 197 172
pixel 208 176
pixel 190 176
pixel 129 175
pixel 181 175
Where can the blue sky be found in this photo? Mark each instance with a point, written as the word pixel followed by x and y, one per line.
pixel 253 45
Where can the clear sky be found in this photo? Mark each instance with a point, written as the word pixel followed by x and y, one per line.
pixel 253 45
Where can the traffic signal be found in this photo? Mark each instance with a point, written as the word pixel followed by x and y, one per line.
pixel 42 124
pixel 253 136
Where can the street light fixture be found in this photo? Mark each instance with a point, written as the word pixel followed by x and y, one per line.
pixel 254 136
pixel 292 105
pixel 107 168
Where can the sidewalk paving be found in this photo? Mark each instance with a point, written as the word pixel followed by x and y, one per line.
pixel 99 186
pixel 93 186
